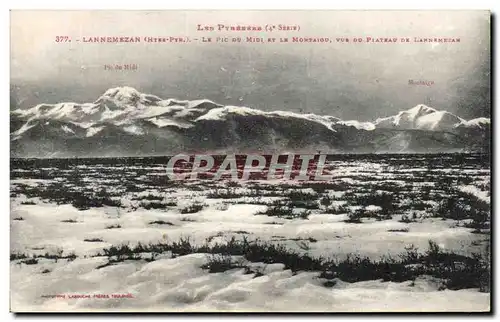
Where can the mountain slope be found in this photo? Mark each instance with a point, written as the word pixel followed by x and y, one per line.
pixel 421 117
pixel 125 122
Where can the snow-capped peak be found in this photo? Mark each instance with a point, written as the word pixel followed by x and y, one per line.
pixel 421 117
pixel 122 97
pixel 221 113
pixel 120 93
pixel 134 114
pixel 419 110
pixel 480 122
pixel 123 106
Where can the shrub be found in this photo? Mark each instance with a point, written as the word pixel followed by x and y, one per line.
pixel 157 205
pixel 113 226
pixel 152 205
pixel 191 209
pixel 402 230
pixel 354 217
pixel 325 201
pixel 457 271
pixel 386 201
pixel 406 219
pixel 31 261
pixel 220 263
pixel 93 240
pixel 223 194
pixel 84 202
pixel 149 197
pixel 311 204
pixel 452 208
pixel 337 210
pixel 58 255
pixel 16 256
pixel 187 219
pixel 160 222
pixel 284 212
pixel 301 196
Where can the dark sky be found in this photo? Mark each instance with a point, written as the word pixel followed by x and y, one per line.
pixel 350 81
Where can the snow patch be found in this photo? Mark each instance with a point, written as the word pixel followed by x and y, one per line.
pixel 65 128
pixel 482 195
pixel 162 122
pixel 26 126
pixel 368 126
pixel 94 130
pixel 134 129
pixel 480 122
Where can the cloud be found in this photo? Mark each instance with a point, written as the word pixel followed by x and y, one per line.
pixel 346 80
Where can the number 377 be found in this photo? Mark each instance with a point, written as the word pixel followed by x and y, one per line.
pixel 63 39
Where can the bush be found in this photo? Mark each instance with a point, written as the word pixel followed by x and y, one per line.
pixel 354 217
pixel 160 222
pixel 57 256
pixel 186 219
pixel 284 212
pixel 406 219
pixel 113 226
pixel 337 210
pixel 83 202
pixel 31 261
pixel 325 201
pixel 464 205
pixel 411 254
pixel 16 256
pixel 386 201
pixel 220 263
pixel 480 220
pixel 311 204
pixel 149 197
pixel 152 205
pixel 223 194
pixel 93 240
pixel 457 271
pixel 402 230
pixel 157 205
pixel 299 195
pixel 452 208
pixel 192 209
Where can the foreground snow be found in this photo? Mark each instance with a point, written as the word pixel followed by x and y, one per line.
pixel 141 206
pixel 180 284
pixel 170 284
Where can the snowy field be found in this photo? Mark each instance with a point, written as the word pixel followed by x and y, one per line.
pixel 388 233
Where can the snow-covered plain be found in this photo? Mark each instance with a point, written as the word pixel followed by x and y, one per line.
pixel 151 209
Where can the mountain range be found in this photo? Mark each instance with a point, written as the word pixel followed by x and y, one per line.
pixel 126 122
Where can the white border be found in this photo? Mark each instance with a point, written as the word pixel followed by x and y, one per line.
pixel 255 4
pixel 194 4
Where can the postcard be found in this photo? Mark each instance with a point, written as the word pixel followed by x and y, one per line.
pixel 250 161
